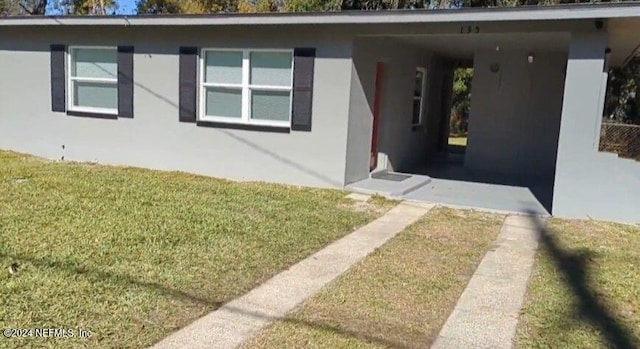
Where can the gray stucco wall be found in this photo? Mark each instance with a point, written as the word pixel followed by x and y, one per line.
pixel 360 126
pixel 404 148
pixel 589 183
pixel 515 113
pixel 399 147
pixel 155 138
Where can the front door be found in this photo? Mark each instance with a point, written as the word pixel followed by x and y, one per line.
pixel 373 163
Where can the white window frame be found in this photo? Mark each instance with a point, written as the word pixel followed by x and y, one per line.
pixel 245 86
pixel 71 79
pixel 421 98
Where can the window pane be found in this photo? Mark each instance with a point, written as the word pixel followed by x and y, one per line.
pixel 418 87
pixel 95 95
pixel 224 67
pixel 95 63
pixel 416 112
pixel 271 68
pixel 270 105
pixel 224 102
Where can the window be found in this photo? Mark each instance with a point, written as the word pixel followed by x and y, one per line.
pixel 418 96
pixel 246 86
pixel 93 79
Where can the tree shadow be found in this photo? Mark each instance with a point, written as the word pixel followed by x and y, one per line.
pixel 130 281
pixel 574 266
pixel 117 279
pixel 320 326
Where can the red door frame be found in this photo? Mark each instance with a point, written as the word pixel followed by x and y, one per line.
pixel 377 99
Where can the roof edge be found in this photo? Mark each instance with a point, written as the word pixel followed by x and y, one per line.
pixel 493 14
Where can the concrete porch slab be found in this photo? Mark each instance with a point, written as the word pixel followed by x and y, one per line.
pixel 483 196
pixel 389 187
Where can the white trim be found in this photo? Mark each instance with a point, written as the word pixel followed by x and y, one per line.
pixel 91 47
pixel 106 111
pixel 221 85
pixel 421 97
pixel 246 94
pixel 201 88
pixel 269 88
pixel 70 79
pixel 232 120
pixel 246 87
pixel 98 80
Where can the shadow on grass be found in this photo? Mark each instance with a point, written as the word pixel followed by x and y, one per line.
pixel 118 279
pixel 574 267
pixel 128 281
pixel 345 333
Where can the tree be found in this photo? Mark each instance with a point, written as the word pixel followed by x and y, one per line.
pixel 23 7
pixel 158 6
pixel 4 8
pixel 34 7
pixel 91 7
pixel 66 7
pixel 186 6
pixel 86 7
pixel 461 101
pixel 622 103
pixel 259 6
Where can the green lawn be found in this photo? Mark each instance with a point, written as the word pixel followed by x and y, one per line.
pixel 399 296
pixel 585 291
pixel 458 140
pixel 132 255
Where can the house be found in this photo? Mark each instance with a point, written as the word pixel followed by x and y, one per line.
pixel 325 99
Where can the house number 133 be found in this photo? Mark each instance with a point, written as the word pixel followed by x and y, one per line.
pixel 468 29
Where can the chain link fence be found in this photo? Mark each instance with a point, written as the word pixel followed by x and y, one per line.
pixel 622 139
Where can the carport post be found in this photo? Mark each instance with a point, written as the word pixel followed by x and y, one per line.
pixel 582 108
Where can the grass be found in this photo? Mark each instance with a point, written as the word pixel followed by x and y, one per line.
pixel 400 295
pixel 585 291
pixel 132 255
pixel 458 140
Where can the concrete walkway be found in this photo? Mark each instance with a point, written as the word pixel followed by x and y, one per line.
pixel 487 312
pixel 242 318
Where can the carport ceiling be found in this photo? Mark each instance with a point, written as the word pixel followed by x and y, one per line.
pixel 462 46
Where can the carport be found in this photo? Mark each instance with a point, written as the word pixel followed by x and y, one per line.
pixel 529 79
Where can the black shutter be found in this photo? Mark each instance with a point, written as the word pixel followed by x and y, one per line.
pixel 188 83
pixel 58 79
pixel 303 63
pixel 125 81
